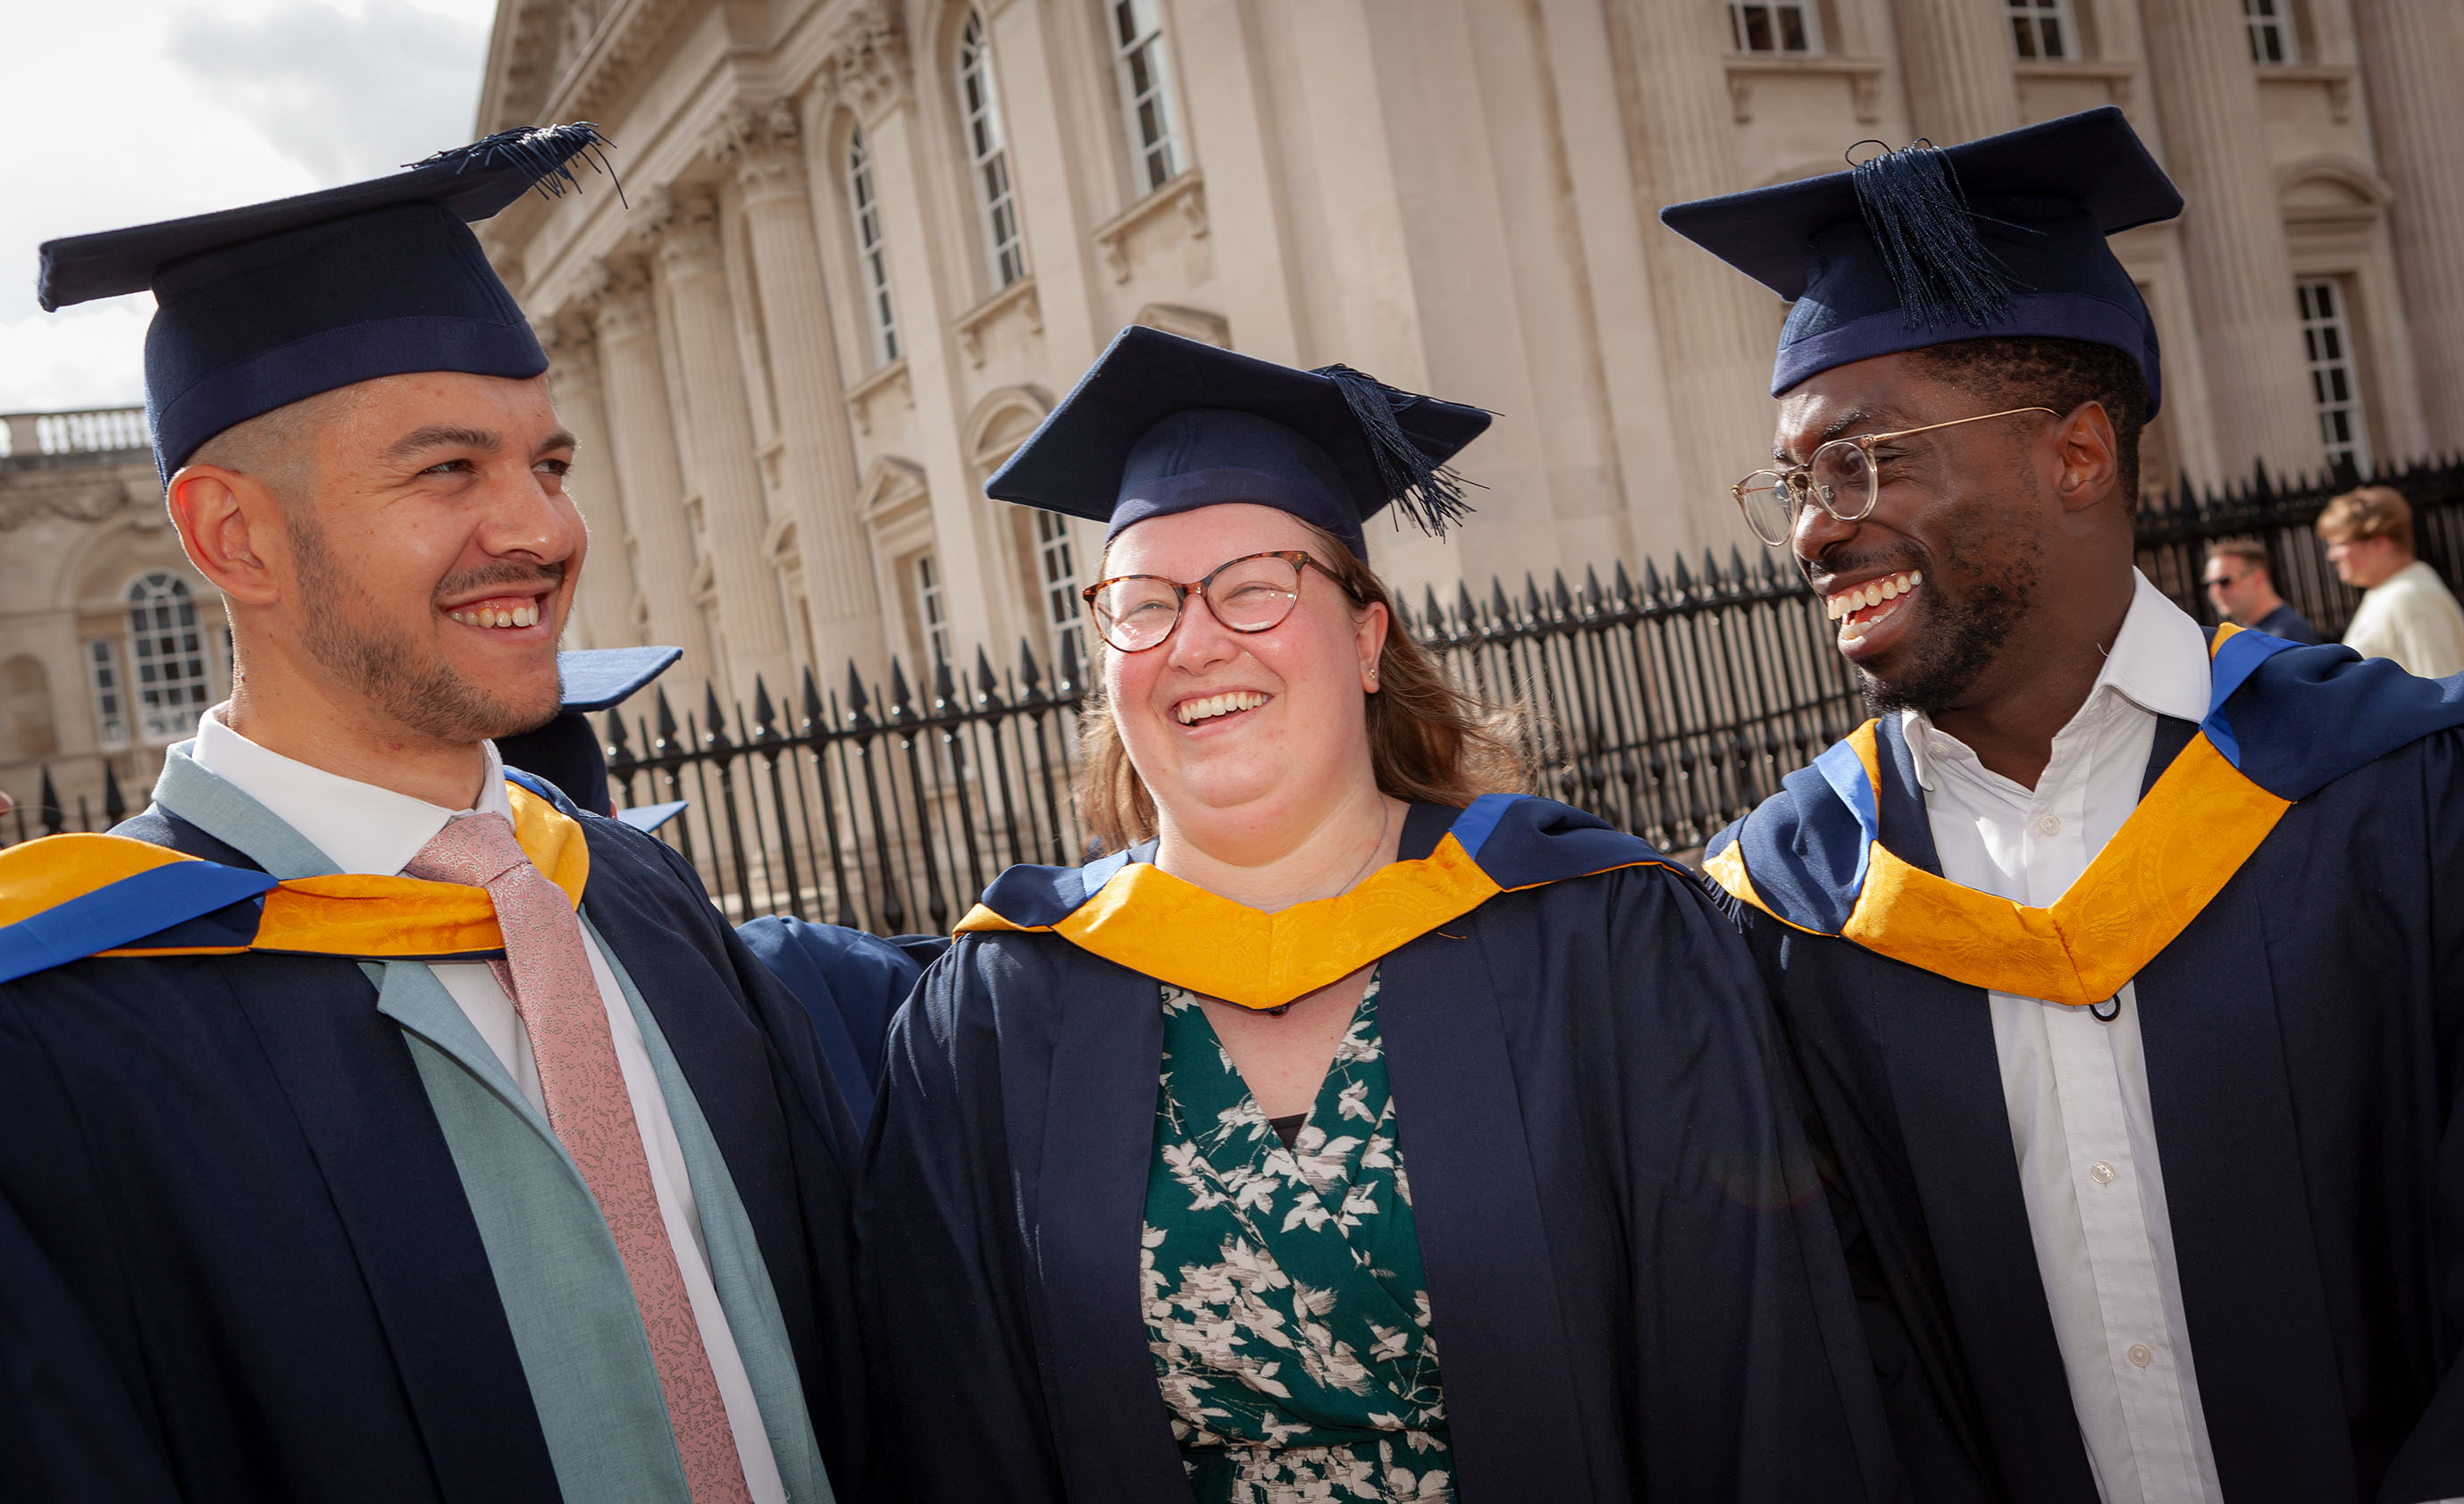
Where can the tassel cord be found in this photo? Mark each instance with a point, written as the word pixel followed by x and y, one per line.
pixel 1431 495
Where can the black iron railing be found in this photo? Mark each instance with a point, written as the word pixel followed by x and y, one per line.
pixel 1668 704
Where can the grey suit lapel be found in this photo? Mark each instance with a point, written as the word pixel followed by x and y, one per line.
pixel 218 807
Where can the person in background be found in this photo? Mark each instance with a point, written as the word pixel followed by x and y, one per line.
pixel 2406 612
pixel 376 1124
pixel 2243 589
pixel 2121 961
pixel 1359 1129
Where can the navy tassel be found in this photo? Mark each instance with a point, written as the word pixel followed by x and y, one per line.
pixel 1430 495
pixel 546 152
pixel 1919 217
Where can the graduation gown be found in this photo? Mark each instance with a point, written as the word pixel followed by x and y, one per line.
pixel 2300 991
pixel 237 1262
pixel 1633 1279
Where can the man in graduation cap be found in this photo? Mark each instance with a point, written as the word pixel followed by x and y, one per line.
pixel 2124 965
pixel 375 1122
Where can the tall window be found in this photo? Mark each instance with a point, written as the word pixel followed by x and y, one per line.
pixel 2270 30
pixel 1146 94
pixel 170 654
pixel 873 265
pixel 932 609
pixel 987 154
pixel 2335 388
pixel 1775 26
pixel 1057 571
pixel 110 701
pixel 2041 28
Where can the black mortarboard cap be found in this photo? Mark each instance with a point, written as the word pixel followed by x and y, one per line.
pixel 567 751
pixel 1160 425
pixel 258 307
pixel 2001 236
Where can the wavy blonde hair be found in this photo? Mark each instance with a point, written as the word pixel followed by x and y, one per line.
pixel 1429 741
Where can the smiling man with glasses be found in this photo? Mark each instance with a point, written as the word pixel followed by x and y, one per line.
pixel 2117 956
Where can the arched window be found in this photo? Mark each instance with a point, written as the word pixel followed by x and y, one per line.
pixel 871 264
pixel 1146 91
pixel 988 155
pixel 170 655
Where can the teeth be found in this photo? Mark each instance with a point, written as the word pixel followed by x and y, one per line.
pixel 1191 711
pixel 490 616
pixel 1841 603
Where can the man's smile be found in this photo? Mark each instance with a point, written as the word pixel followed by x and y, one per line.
pixel 500 611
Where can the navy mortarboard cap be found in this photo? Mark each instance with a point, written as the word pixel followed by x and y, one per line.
pixel 256 308
pixel 567 751
pixel 2002 236
pixel 601 679
pixel 1160 425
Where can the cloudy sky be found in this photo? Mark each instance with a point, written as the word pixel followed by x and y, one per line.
pixel 126 111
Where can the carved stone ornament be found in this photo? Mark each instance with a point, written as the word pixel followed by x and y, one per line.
pixel 868 63
pixel 77 497
pixel 683 221
pixel 620 300
pixel 763 143
pixel 572 349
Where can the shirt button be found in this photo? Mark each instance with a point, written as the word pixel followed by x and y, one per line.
pixel 2051 824
pixel 2101 1172
pixel 2141 1355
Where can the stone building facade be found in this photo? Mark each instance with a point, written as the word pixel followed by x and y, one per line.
pixel 866 244
pixel 110 643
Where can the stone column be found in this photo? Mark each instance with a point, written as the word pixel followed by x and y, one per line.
pixel 642 443
pixel 2409 63
pixel 868 70
pixel 1718 328
pixel 603 599
pixel 1956 58
pixel 2232 235
pixel 684 221
pixel 765 146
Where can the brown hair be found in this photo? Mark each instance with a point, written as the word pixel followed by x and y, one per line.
pixel 2248 550
pixel 1429 741
pixel 2371 512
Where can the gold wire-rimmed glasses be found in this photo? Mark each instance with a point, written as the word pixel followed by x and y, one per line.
pixel 1843 479
pixel 1252 593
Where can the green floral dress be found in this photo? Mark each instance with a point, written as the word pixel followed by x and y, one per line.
pixel 1283 1297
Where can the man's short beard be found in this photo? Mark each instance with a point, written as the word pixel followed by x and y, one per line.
pixel 1962 638
pixel 427 696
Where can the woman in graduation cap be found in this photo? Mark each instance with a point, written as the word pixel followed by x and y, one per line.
pixel 1360 1129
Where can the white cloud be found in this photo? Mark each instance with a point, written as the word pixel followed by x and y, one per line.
pixel 155 109
pixel 345 97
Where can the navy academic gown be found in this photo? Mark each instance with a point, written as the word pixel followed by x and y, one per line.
pixel 2303 1049
pixel 236 1265
pixel 1635 1287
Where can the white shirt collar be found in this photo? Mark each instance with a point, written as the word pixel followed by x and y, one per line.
pixel 360 827
pixel 2158 662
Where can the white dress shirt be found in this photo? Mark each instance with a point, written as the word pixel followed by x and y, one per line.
pixel 2076 1086
pixel 2411 616
pixel 367 829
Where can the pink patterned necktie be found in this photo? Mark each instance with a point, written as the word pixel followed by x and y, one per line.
pixel 547 974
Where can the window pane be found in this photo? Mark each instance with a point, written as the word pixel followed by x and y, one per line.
pixel 1146 97
pixel 167 646
pixel 1003 251
pixel 2335 386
